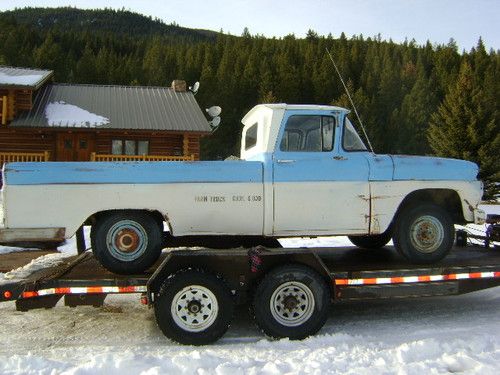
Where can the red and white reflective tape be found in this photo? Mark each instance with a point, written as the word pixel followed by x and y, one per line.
pixel 417 279
pixel 85 290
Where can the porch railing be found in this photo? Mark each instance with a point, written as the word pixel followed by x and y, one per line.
pixel 7 157
pixel 110 157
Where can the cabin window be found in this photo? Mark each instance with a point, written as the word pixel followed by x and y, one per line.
pixel 308 134
pixel 142 147
pixel 129 147
pixel 117 147
pixel 251 137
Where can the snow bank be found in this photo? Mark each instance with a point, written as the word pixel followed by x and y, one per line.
pixel 415 336
pixel 11 249
pixel 39 263
pixel 27 80
pixel 61 113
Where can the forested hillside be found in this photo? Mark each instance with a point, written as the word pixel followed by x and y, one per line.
pixel 430 99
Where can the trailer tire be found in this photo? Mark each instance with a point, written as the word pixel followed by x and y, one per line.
pixel 127 242
pixel 424 234
pixel 188 319
pixel 291 301
pixel 375 241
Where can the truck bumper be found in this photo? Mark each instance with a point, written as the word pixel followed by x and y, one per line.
pixel 479 216
pixel 32 234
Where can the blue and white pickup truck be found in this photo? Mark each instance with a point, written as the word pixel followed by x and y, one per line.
pixel 304 171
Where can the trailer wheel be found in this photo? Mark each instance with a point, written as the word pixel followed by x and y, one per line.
pixel 424 234
pixel 291 301
pixel 127 242
pixel 375 241
pixel 194 307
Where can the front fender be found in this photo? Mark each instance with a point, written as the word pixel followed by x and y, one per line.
pixel 387 196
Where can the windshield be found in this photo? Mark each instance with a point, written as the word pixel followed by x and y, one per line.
pixel 351 140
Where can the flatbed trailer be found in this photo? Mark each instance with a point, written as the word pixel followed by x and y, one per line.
pixel 290 291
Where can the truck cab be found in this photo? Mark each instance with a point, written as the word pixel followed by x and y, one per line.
pixel 324 181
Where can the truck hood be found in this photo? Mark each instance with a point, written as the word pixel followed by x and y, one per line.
pixel 432 168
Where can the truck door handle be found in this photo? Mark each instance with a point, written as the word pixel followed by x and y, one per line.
pixel 339 158
pixel 285 161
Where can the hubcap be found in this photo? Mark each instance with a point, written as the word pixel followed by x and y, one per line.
pixel 292 304
pixel 427 234
pixel 127 240
pixel 194 308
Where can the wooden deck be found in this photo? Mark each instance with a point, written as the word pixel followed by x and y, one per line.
pixel 7 157
pixel 111 157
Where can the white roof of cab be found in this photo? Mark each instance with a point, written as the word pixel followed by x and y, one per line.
pixel 285 106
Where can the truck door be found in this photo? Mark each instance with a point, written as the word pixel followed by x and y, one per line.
pixel 319 189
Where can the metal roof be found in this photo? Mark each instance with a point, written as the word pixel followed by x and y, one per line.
pixel 114 107
pixel 23 78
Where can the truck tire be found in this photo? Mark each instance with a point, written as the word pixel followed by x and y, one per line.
pixel 291 301
pixel 194 307
pixel 375 241
pixel 127 242
pixel 424 234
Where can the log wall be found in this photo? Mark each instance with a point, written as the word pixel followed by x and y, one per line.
pixel 40 140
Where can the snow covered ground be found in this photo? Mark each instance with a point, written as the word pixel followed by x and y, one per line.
pixel 416 336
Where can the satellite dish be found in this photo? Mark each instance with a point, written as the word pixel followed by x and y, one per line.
pixel 214 124
pixel 214 111
pixel 194 89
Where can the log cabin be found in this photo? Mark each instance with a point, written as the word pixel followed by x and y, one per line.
pixel 46 121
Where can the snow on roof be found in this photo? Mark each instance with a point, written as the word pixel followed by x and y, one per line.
pixel 113 107
pixel 21 77
pixel 26 80
pixel 64 114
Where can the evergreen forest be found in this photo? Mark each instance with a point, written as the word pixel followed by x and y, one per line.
pixel 414 99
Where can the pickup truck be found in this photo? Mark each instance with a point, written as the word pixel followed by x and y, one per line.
pixel 303 171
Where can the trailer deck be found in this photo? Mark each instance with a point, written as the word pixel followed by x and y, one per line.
pixel 355 274
pixel 345 273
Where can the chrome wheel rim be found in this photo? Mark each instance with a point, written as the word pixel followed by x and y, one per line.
pixel 127 240
pixel 426 234
pixel 292 304
pixel 194 308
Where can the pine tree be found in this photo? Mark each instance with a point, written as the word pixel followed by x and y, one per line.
pixel 414 116
pixel 466 127
pixel 49 55
pixel 154 62
pixel 85 68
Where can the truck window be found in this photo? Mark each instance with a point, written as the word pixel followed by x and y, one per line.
pixel 308 134
pixel 251 137
pixel 351 140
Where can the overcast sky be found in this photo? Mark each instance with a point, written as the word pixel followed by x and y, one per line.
pixel 434 20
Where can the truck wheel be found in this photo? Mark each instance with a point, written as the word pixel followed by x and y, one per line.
pixel 194 307
pixel 291 301
pixel 424 234
pixel 375 241
pixel 127 242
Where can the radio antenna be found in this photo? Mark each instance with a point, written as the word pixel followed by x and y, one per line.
pixel 350 99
